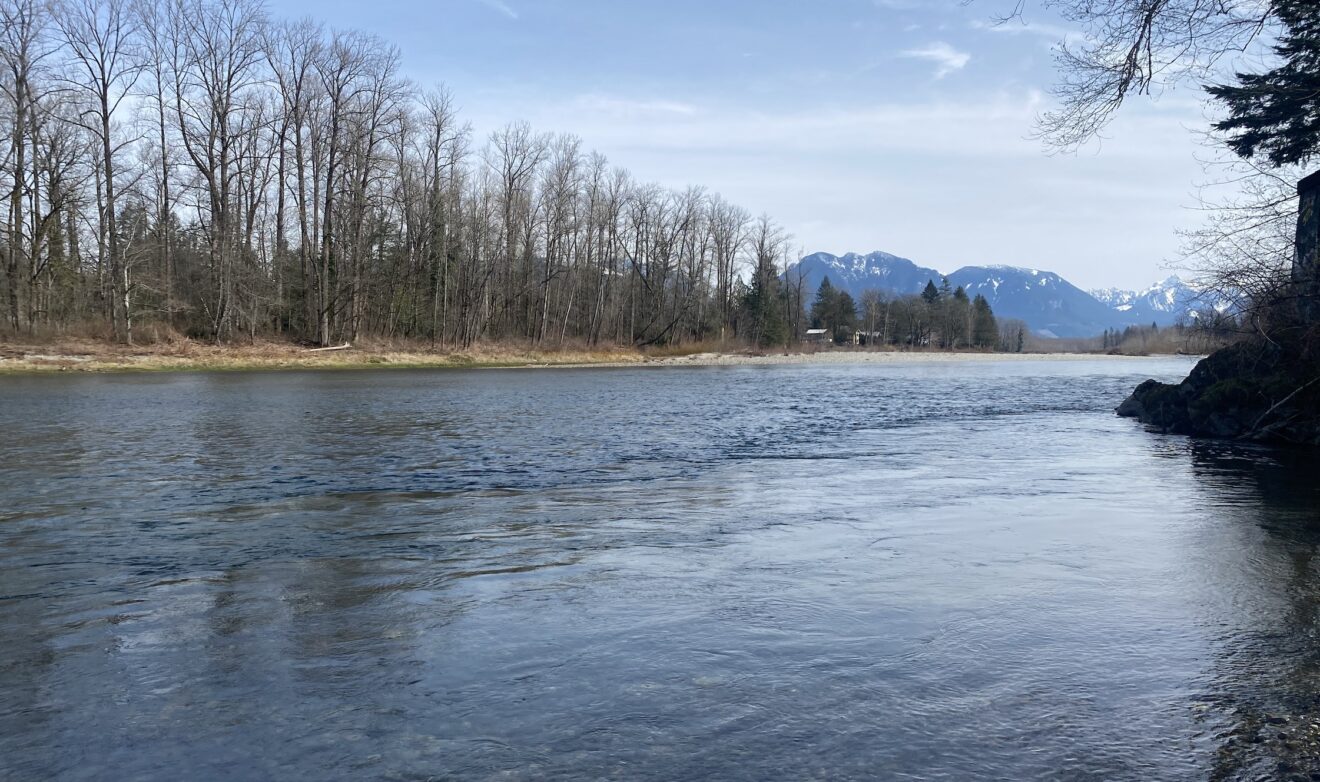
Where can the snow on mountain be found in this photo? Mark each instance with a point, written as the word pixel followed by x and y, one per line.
pixel 1049 304
pixel 1165 303
pixel 1114 298
pixel 857 273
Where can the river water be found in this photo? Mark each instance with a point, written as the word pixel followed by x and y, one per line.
pixel 918 571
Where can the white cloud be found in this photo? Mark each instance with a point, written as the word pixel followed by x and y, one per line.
pixel 946 58
pixel 946 182
pixel 631 108
pixel 996 125
pixel 913 5
pixel 1054 34
pixel 502 7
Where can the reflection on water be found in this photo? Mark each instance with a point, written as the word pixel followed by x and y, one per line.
pixel 1268 676
pixel 929 572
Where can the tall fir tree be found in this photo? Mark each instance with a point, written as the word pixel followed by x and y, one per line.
pixel 985 328
pixel 1276 115
pixel 822 308
pixel 845 317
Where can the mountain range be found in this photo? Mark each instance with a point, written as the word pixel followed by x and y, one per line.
pixel 1049 305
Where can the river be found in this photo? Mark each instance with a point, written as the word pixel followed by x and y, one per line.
pixel 909 571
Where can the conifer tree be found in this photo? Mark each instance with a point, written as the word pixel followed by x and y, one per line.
pixel 845 317
pixel 762 306
pixel 1276 115
pixel 985 329
pixel 822 308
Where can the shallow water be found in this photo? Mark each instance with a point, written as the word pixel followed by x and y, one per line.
pixel 917 571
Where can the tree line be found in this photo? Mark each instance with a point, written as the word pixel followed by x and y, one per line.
pixel 201 166
pixel 941 316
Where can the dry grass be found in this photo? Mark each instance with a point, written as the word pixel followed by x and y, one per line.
pixel 176 353
pixel 691 349
pixel 68 353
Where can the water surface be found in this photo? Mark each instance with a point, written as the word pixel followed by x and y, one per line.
pixel 927 571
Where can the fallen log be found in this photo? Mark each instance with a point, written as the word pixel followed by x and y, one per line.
pixel 344 346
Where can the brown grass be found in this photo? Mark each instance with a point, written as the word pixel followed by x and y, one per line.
pixel 178 353
pixel 691 349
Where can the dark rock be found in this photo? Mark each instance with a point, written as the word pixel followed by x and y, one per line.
pixel 1250 391
pixel 1132 407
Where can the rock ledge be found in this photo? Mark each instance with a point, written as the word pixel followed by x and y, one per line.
pixel 1249 391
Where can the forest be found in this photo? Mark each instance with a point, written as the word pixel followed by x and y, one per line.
pixel 940 317
pixel 198 168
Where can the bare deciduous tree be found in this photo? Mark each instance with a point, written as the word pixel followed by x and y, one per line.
pixel 289 181
pixel 101 38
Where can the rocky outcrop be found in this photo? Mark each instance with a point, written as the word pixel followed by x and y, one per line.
pixel 1264 389
pixel 1250 391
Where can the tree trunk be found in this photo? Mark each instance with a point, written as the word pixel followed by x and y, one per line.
pixel 16 197
pixel 1306 265
pixel 121 317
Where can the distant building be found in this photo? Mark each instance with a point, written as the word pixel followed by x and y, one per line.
pixel 817 337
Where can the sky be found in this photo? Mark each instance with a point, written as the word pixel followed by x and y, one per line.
pixel 897 125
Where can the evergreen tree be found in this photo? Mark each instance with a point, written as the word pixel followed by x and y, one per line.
pixel 845 317
pixel 985 328
pixel 959 320
pixel 1276 115
pixel 762 305
pixel 835 311
pixel 930 294
pixel 822 309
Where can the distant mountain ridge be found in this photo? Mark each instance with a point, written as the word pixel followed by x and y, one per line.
pixel 1049 304
pixel 1165 301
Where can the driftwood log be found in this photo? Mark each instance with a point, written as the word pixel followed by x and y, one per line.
pixel 344 346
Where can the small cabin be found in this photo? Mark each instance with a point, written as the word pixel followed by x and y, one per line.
pixel 817 337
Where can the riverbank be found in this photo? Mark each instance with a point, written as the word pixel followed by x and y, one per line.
pixel 1265 392
pixel 188 355
pixel 875 357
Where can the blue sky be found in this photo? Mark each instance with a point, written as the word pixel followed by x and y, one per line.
pixel 896 125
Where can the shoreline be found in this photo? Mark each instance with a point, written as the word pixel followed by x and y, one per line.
pixel 845 357
pixel 187 356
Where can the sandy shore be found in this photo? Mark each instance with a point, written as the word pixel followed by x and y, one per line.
pixel 186 355
pixel 874 357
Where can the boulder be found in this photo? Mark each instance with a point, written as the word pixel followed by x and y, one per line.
pixel 1249 391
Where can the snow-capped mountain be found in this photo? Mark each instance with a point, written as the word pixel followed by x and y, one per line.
pixel 1164 303
pixel 1049 304
pixel 856 273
